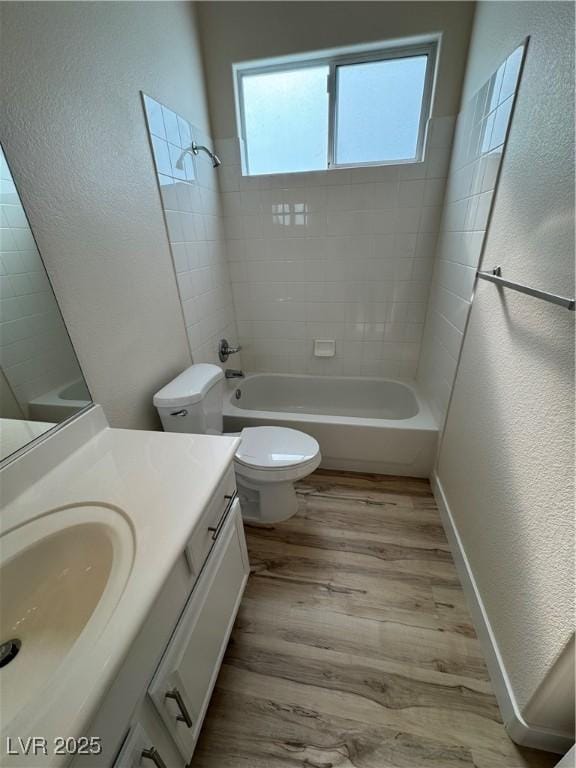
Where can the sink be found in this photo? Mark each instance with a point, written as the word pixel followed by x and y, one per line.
pixel 61 577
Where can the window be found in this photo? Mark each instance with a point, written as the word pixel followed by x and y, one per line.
pixel 340 111
pixel 286 120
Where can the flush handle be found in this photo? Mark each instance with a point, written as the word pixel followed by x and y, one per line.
pixel 152 754
pixel 182 412
pixel 184 716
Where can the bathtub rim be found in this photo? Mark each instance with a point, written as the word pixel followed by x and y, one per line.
pixel 52 397
pixel 423 420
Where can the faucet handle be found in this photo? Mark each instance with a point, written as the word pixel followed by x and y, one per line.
pixel 225 350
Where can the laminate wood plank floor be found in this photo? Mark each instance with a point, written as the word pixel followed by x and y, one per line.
pixel 353 646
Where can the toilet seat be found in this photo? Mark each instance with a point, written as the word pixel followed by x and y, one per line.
pixel 270 449
pixel 276 454
pixel 268 461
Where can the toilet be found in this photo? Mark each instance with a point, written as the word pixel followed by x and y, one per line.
pixel 268 461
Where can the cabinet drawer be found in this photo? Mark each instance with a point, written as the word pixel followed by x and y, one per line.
pixel 203 538
pixel 148 745
pixel 185 678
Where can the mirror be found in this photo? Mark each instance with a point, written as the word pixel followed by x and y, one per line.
pixel 41 383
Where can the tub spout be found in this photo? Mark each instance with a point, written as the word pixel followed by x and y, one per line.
pixel 233 373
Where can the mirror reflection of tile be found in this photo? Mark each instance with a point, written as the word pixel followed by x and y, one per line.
pixel 41 383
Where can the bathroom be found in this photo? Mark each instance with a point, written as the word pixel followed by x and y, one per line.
pixel 287 384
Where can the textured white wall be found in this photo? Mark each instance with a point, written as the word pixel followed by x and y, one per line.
pixel 506 461
pixel 74 133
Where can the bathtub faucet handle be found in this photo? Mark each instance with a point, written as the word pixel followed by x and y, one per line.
pixel 225 350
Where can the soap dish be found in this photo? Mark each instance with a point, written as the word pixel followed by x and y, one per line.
pixel 324 347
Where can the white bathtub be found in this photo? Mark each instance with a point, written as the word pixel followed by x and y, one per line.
pixel 362 424
pixel 61 402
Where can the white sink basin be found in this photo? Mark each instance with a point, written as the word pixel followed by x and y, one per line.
pixel 61 577
pixel 93 521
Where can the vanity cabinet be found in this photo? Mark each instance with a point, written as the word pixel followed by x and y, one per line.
pixel 184 680
pixel 148 744
pixel 153 713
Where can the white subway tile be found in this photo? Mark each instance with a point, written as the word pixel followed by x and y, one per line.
pixel 407 220
pixel 483 210
pixel 171 126
pixel 339 198
pixel 501 121
pixel 161 156
pixel 494 87
pixel 441 131
pixel 174 225
pixel 511 74
pixel 177 162
pixel 404 245
pixel 15 216
pixel 438 162
pixel 250 201
pixel 430 219
pixel 228 150
pixel 229 178
pixel 453 308
pixel 491 166
pixel 411 193
pixel 180 257
pixel 411 171
pixel 154 115
pixel 434 192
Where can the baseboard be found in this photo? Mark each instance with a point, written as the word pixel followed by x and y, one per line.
pixel 517 728
pixel 417 469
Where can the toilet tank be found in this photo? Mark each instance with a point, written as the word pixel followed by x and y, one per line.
pixel 192 402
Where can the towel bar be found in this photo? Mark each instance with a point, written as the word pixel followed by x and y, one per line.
pixel 495 276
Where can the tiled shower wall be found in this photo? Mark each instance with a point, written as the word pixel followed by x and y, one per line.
pixel 340 254
pixel 192 210
pixel 36 354
pixel 479 141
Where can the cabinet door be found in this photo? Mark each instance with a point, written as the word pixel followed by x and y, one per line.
pixel 148 745
pixel 184 681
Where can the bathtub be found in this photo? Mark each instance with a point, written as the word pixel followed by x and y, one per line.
pixel 362 424
pixel 61 402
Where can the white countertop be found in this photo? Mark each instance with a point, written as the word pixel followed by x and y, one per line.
pixel 162 482
pixel 15 433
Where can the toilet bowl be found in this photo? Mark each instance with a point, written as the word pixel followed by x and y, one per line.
pixel 268 461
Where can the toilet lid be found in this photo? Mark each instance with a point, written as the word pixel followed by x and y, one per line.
pixel 275 447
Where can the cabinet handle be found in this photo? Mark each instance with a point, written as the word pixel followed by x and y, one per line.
pixel 152 754
pixel 184 716
pixel 216 529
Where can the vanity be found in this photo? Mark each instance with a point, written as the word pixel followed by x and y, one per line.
pixel 123 564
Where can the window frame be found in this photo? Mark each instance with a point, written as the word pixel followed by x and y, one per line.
pixel 428 48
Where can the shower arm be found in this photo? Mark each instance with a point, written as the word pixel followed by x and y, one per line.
pixel 196 149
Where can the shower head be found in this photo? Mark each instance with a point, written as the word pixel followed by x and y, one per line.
pixel 194 149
